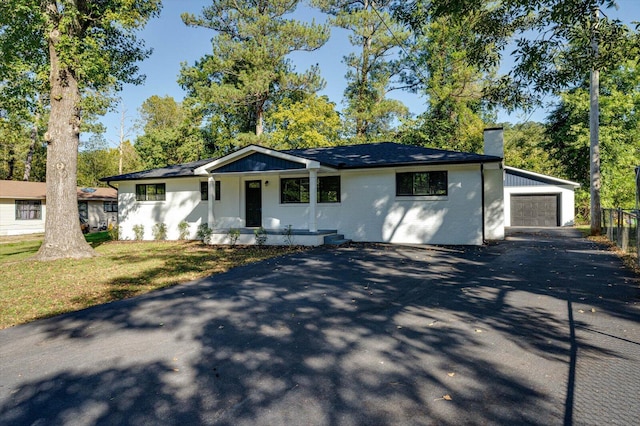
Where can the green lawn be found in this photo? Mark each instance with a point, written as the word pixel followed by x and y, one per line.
pixel 30 290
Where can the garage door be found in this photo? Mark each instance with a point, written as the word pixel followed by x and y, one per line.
pixel 534 210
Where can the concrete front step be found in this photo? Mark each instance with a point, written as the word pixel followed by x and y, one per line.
pixel 335 240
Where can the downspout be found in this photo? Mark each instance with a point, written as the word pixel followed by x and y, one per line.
pixel 483 209
pixel 111 186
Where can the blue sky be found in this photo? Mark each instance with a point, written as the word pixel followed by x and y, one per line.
pixel 174 43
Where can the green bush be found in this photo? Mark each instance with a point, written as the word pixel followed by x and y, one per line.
pixel 159 231
pixel 138 230
pixel 233 235
pixel 114 232
pixel 204 233
pixel 288 236
pixel 183 229
pixel 261 236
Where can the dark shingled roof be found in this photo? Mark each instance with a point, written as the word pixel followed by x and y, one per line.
pixel 384 154
pixel 178 170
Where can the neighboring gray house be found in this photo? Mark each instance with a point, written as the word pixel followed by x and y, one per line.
pixel 23 207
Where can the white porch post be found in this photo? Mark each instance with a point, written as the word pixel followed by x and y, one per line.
pixel 313 199
pixel 211 197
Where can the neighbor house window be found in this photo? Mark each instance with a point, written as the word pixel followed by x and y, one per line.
pixel 28 209
pixel 421 183
pixel 296 190
pixel 204 191
pixel 110 207
pixel 150 192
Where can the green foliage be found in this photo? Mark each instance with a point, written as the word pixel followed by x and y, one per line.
pixel 568 134
pixel 233 236
pixel 261 236
pixel 204 233
pixel 306 123
pixel 288 236
pixel 159 231
pixel 183 230
pixel 96 160
pixel 171 135
pixel 524 148
pixel 455 87
pixel 138 231
pixel 248 70
pixel 370 115
pixel 20 155
pixel 114 232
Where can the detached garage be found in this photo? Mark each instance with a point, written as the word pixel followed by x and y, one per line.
pixel 532 199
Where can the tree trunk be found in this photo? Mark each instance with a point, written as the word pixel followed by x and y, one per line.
pixel 62 237
pixel 594 136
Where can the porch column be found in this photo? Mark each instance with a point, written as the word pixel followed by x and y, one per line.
pixel 211 196
pixel 313 199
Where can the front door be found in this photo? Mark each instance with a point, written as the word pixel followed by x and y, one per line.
pixel 253 202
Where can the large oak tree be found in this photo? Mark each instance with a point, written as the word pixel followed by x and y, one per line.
pixel 86 49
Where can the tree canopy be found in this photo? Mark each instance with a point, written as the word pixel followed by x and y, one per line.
pixel 248 72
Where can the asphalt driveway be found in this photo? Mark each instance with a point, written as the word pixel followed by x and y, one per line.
pixel 542 328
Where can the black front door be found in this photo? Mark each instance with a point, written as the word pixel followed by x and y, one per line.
pixel 253 202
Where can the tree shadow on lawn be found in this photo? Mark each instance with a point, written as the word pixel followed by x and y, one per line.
pixel 362 335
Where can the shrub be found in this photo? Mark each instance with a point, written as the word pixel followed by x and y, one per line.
pixel 233 235
pixel 138 230
pixel 114 232
pixel 183 229
pixel 159 231
pixel 204 233
pixel 288 235
pixel 261 236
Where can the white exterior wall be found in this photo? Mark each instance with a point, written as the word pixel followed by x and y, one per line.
pixel 10 226
pixel 494 202
pixel 369 209
pixel 182 203
pixel 567 200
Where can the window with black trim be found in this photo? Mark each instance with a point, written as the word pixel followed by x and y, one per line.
pixel 150 192
pixel 329 189
pixel 422 183
pixel 28 209
pixel 110 207
pixel 204 191
pixel 296 190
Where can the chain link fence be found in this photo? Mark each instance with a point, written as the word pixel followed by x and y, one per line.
pixel 621 227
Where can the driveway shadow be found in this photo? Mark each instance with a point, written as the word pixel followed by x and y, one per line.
pixel 366 334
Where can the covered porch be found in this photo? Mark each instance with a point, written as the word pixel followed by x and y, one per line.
pixel 258 188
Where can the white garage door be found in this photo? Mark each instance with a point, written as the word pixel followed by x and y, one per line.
pixel 534 210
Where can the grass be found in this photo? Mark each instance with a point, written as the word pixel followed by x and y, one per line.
pixel 30 290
